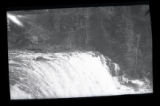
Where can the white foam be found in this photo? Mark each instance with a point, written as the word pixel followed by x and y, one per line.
pixel 69 75
pixel 17 93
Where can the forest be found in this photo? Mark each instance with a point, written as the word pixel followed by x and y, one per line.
pixel 123 33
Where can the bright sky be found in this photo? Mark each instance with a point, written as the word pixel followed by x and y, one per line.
pixel 14 19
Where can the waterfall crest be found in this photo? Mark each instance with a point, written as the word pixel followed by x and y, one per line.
pixel 64 75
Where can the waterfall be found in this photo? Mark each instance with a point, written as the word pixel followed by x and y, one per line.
pixel 64 75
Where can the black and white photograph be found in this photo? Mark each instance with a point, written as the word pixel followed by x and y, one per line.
pixel 79 52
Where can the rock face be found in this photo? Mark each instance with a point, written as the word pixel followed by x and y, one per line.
pixel 41 59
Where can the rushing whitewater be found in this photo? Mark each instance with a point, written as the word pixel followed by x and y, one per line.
pixel 65 75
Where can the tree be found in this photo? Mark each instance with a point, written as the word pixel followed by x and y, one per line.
pixel 131 44
pixel 37 35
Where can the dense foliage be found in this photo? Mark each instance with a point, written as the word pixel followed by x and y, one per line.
pixel 122 33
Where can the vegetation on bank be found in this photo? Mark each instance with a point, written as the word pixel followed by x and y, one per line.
pixel 120 33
